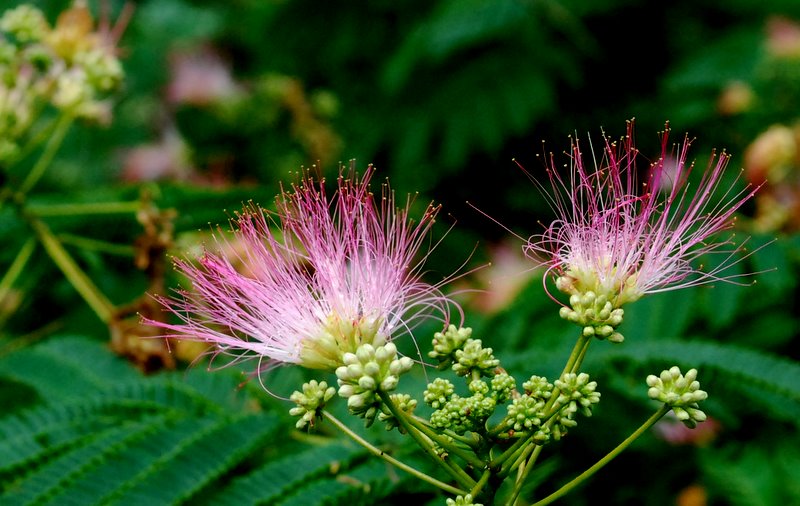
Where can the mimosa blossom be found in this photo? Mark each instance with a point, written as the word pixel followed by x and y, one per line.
pixel 323 276
pixel 617 238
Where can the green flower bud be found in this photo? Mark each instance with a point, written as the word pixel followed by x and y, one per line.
pixel 367 372
pixel 462 501
pixel 438 393
pixel 680 392
pixel 538 387
pixel 310 402
pixel 103 69
pixel 462 414
pixel 446 343
pixel 478 387
pixel 389 383
pixel 525 413
pixel 502 387
pixel 366 383
pixel 595 313
pixel 577 393
pixel 474 357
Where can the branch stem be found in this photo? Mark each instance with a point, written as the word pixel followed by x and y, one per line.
pixel 85 208
pixel 102 307
pixel 425 443
pixel 16 267
pixel 388 458
pixel 50 149
pixel 605 460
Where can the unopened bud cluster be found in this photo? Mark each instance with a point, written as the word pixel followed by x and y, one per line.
pixel 456 349
pixel 457 413
pixel 530 411
pixel 595 313
pixel 465 500
pixel 466 357
pixel 367 372
pixel 69 67
pixel 680 392
pixel 445 345
pixel 526 413
pixel 576 395
pixel 310 402
pixel 473 357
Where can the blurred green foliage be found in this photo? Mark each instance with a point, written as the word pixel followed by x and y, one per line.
pixel 440 96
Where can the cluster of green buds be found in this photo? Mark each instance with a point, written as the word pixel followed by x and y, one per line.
pixel 462 414
pixel 680 392
pixel 576 395
pixel 367 373
pixel 465 500
pixel 530 412
pixel 310 402
pixel 69 66
pixel 447 343
pixel 526 413
pixel 596 314
pixel 456 349
pixel 467 357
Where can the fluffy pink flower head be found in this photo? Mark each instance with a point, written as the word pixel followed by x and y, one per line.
pixel 615 238
pixel 323 276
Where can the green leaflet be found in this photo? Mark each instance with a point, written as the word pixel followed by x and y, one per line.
pixel 276 478
pixel 363 485
pixel 127 439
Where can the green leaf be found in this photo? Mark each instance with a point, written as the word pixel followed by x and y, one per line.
pixel 269 483
pixel 362 485
pixel 48 480
pixel 174 466
pixel 67 367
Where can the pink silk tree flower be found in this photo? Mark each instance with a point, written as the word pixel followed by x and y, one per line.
pixel 317 278
pixel 616 238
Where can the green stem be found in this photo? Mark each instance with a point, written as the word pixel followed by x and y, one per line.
pixel 481 483
pixel 50 149
pixel 454 470
pixel 35 140
pixel 84 209
pixel 605 460
pixel 581 355
pixel 74 274
pixel 438 439
pixel 523 470
pixel 576 357
pixel 97 245
pixel 512 450
pixel 418 420
pixel 520 463
pixel 388 458
pixel 573 365
pixel 16 268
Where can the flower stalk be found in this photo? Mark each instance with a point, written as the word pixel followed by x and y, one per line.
pixel 50 149
pixel 575 482
pixel 388 458
pixel 82 283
